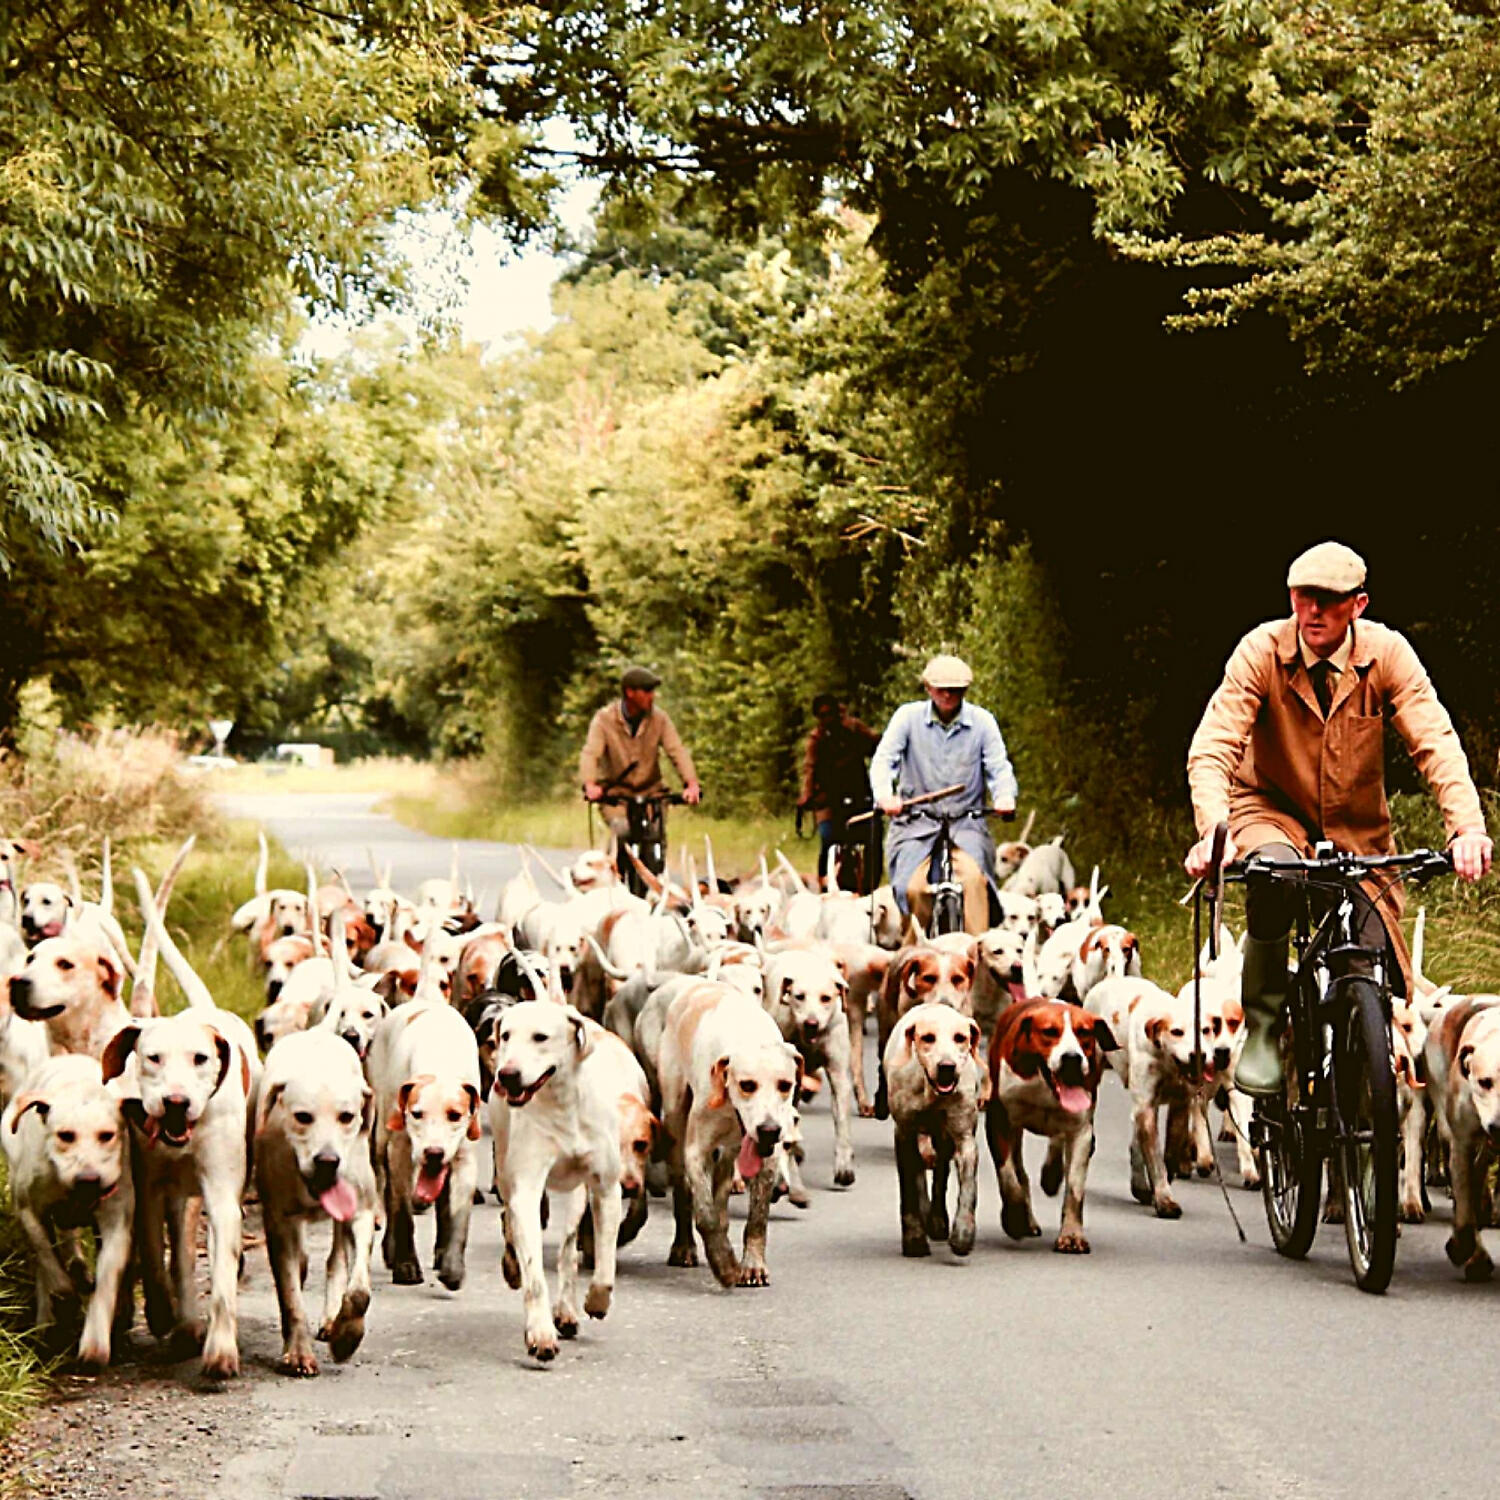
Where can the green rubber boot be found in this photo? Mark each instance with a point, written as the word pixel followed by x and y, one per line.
pixel 1263 986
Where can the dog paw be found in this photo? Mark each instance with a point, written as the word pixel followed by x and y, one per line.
pixel 1460 1246
pixel 1052 1176
pixel 1479 1266
pixel 478 1197
pixel 510 1269
pixel 1205 1169
pixel 301 1362
pixel 566 1322
pixel 1251 1182
pixel 1167 1207
pixel 1412 1213
pixel 914 1245
pixel 596 1300
pixel 798 1198
pixel 844 1176
pixel 682 1255
pixel 1140 1191
pixel 1071 1242
pixel 1333 1211
pixel 937 1225
pixel 1015 1220
pixel 407 1273
pixel 225 1364
pixel 92 1358
pixel 866 1110
pixel 542 1346
pixel 348 1330
pixel 749 1275
pixel 451 1277
pixel 961 1241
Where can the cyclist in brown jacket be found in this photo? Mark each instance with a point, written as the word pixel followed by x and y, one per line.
pixel 1291 750
pixel 622 752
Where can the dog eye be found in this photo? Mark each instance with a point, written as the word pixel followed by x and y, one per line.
pixel 929 1037
pixel 303 1116
pixel 1486 1084
pixel 539 1036
pixel 67 1137
pixel 454 1116
pixel 106 1136
pixel 749 1086
pixel 154 1058
pixel 642 1146
pixel 65 964
pixel 199 1058
pixel 346 1117
pixel 785 1086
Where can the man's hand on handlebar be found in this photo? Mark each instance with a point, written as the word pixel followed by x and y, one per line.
pixel 593 792
pixel 890 806
pixel 692 794
pixel 1471 854
pixel 1199 861
pixel 1006 808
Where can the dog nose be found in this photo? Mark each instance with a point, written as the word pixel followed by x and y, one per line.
pixel 1071 1069
pixel 1221 1058
pixel 947 1073
pixel 766 1137
pixel 432 1159
pixel 509 1079
pixel 353 1038
pixel 325 1170
pixel 273 989
pixel 811 1030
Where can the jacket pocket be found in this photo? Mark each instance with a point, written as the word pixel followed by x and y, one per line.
pixel 1356 744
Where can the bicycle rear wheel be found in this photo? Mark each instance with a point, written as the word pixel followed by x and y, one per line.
pixel 1290 1157
pixel 1367 1111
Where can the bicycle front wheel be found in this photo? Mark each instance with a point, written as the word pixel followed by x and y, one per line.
pixel 1367 1111
pixel 1290 1158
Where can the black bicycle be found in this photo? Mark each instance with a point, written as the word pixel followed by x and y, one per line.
pixel 645 834
pixel 1339 1104
pixel 854 853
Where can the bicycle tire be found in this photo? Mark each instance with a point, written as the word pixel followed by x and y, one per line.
pixel 1367 1111
pixel 1290 1158
pixel 947 913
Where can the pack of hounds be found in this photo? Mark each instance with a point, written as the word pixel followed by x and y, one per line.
pixel 618 1048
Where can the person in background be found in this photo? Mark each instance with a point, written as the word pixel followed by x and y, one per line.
pixel 835 781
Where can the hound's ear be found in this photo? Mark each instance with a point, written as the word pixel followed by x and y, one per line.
pixel 974 1036
pixel 225 1050
pixel 1464 1054
pixel 410 941
pixel 1154 1028
pixel 254 910
pixel 25 1102
pixel 786 984
pixel 801 1073
pixel 109 976
pixel 583 1043
pixel 1104 1038
pixel 366 1110
pixel 1023 1029
pixel 118 1048
pixel 906 1036
pixel 267 1104
pixel 718 1094
pixel 476 1129
pixel 396 1120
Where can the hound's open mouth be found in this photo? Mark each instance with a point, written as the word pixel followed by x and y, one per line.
pixel 1073 1098
pixel 341 1202
pixel 157 1129
pixel 517 1097
pixel 29 1012
pixel 429 1185
pixel 749 1161
pixel 1016 989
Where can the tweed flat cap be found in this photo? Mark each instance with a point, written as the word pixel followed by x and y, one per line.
pixel 639 677
pixel 1329 565
pixel 947 672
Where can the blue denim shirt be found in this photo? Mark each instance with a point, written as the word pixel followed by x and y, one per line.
pixel 919 753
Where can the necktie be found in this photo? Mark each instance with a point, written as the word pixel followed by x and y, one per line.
pixel 1322 681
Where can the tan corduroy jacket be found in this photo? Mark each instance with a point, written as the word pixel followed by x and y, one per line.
pixel 622 760
pixel 1264 758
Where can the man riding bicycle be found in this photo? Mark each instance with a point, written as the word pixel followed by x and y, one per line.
pixel 833 772
pixel 1291 751
pixel 930 744
pixel 621 754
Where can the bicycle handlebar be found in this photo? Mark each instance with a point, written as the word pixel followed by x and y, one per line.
pixel 642 798
pixel 1420 865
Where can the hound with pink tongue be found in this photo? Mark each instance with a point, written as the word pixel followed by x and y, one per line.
pixel 312 1157
pixel 729 1088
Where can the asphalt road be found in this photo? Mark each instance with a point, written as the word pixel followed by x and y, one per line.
pixel 1173 1361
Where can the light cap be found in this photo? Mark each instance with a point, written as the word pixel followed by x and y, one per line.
pixel 1329 565
pixel 947 672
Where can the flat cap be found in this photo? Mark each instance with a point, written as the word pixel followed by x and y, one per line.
pixel 1329 565
pixel 947 672
pixel 639 677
